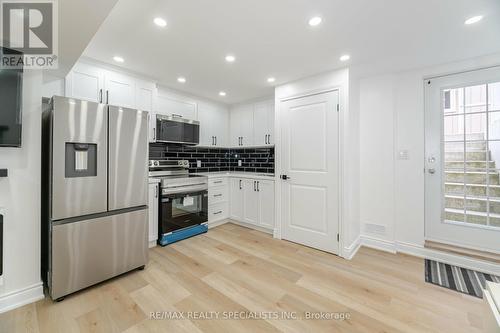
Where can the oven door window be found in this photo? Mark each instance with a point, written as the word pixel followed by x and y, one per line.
pixel 187 205
pixel 179 211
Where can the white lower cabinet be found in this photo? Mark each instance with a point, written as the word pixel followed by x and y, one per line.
pixel 153 209
pixel 266 203
pixel 252 202
pixel 218 199
pixel 237 199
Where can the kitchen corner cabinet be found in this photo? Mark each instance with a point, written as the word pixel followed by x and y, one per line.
pixel 85 82
pixel 241 126
pixel 252 202
pixel 263 123
pixel 213 125
pixel 153 210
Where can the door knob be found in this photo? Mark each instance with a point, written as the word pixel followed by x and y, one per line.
pixel 432 171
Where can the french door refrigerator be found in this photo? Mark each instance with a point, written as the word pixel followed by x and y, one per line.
pixel 94 200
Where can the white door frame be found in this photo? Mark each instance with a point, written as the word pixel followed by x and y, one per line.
pixel 278 154
pixel 469 77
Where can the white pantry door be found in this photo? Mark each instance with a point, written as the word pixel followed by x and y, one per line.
pixel 462 132
pixel 310 158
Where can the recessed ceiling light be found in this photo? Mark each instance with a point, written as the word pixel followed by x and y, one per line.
pixel 118 59
pixel 271 79
pixel 315 21
pixel 160 22
pixel 473 19
pixel 222 93
pixel 230 58
pixel 345 57
pixel 181 79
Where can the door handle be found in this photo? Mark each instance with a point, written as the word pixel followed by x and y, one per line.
pixel 215 140
pixel 432 171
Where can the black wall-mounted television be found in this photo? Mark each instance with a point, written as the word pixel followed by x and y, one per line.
pixel 11 98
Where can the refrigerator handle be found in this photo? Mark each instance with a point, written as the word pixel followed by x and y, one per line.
pixel 100 95
pixel 107 96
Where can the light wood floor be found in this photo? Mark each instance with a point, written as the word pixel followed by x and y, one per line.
pixel 232 268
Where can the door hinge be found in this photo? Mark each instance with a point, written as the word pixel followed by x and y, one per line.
pixel 338 237
pixel 338 107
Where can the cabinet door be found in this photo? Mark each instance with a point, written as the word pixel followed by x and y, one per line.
pixel 266 203
pixel 260 123
pixel 206 115
pixel 145 93
pixel 120 90
pixel 220 126
pixel 251 202
pixel 237 199
pixel 85 82
pixel 246 126
pixel 170 105
pixel 234 126
pixel 153 212
pixel 270 122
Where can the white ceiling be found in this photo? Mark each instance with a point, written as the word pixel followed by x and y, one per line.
pixel 272 38
pixel 78 22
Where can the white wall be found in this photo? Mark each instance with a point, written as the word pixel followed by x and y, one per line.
pixel 392 119
pixel 20 200
pixel 52 86
pixel 349 137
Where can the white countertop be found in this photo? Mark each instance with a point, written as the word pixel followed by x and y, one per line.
pixel 252 175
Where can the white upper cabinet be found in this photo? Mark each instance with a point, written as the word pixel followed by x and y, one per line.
pixel 85 82
pixel 145 95
pixel 213 124
pixel 173 106
pixel 263 122
pixel 120 89
pixel 241 126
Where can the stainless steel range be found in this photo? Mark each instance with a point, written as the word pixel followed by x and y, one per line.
pixel 183 201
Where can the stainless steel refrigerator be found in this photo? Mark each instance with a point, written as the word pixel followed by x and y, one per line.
pixel 94 200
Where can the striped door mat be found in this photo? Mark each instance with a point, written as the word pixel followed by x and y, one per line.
pixel 456 278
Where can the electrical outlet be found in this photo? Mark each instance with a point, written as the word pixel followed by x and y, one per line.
pixel 240 163
pixel 198 164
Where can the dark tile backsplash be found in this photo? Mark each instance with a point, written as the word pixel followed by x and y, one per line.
pixel 259 160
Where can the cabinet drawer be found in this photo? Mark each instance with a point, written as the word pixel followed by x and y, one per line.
pixel 218 212
pixel 217 182
pixel 217 194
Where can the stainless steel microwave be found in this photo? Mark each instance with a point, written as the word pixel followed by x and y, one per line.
pixel 175 129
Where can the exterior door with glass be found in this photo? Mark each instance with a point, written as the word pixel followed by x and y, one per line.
pixel 462 194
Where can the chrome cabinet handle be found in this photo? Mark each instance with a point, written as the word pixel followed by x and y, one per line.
pixel 100 95
pixel 219 212
pixel 215 140
pixel 217 195
pixel 107 96
pixel 240 185
pixel 218 182
pixel 258 186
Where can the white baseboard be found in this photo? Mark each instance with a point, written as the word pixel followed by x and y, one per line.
pixel 378 244
pixel 422 252
pixel 21 297
pixel 350 251
pixel 251 226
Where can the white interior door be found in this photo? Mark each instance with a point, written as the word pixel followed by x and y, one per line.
pixel 462 188
pixel 310 158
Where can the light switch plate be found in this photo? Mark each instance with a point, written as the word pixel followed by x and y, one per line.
pixel 240 163
pixel 198 164
pixel 403 155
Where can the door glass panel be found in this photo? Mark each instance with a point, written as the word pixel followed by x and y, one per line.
pixel 186 206
pixel 471 141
